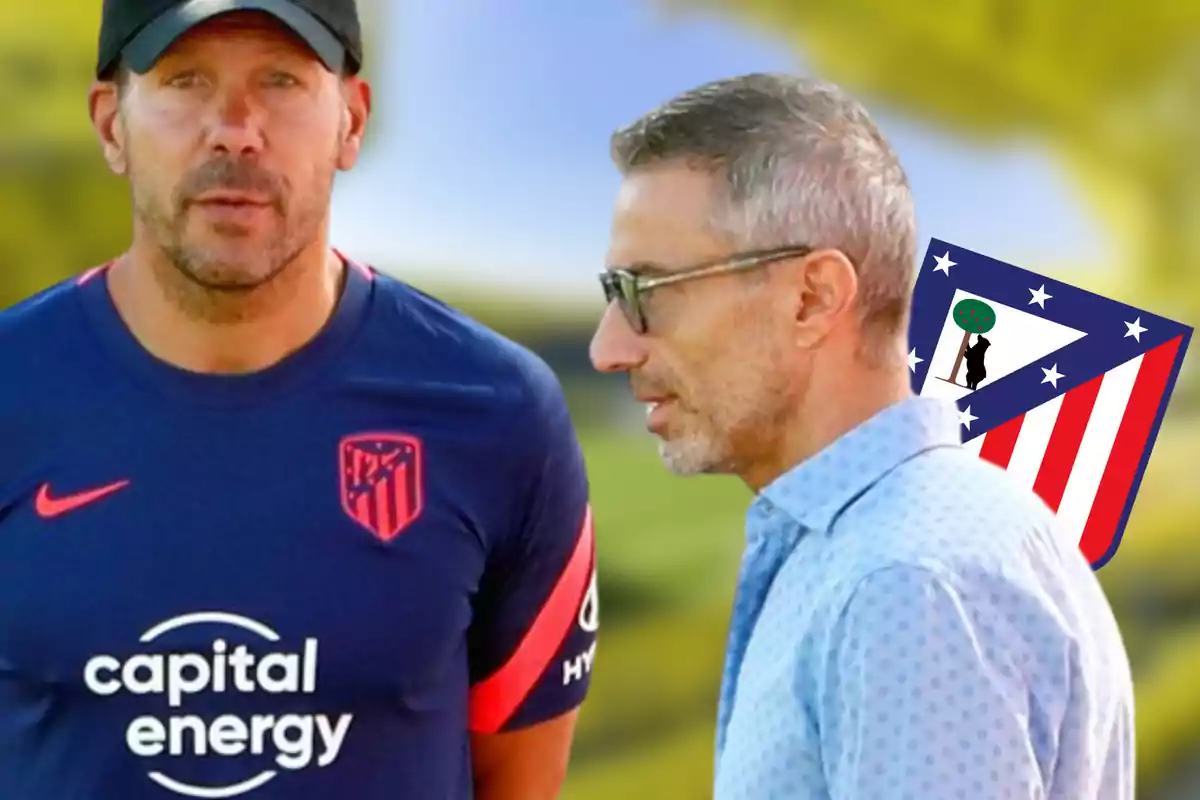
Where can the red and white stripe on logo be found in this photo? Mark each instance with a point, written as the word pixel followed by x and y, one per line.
pixel 1080 451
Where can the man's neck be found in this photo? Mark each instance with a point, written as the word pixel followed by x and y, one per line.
pixel 233 333
pixel 833 405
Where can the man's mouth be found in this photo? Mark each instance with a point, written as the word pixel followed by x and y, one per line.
pixel 651 400
pixel 657 409
pixel 233 199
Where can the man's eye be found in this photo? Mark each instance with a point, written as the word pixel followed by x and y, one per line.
pixel 184 80
pixel 282 80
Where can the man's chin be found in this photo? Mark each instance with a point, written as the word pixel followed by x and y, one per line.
pixel 229 277
pixel 685 457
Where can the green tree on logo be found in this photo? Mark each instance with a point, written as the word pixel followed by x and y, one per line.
pixel 973 316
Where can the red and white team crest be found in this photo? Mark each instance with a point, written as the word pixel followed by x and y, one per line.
pixel 1061 387
pixel 381 481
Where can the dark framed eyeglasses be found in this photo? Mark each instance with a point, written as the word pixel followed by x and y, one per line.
pixel 627 286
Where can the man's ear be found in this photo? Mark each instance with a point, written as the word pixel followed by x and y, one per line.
pixel 356 111
pixel 824 291
pixel 104 107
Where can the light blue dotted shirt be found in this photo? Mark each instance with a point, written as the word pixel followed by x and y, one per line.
pixel 909 624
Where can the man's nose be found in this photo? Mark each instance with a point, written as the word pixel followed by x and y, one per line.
pixel 615 347
pixel 237 124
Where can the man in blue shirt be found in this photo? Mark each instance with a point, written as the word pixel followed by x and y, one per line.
pixel 274 524
pixel 907 623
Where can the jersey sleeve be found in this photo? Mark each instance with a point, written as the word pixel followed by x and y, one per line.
pixel 919 697
pixel 533 637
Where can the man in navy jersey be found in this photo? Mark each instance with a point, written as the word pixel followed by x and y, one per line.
pixel 273 525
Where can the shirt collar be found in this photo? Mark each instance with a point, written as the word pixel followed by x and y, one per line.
pixel 816 491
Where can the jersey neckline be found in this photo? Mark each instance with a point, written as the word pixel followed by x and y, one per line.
pixel 223 389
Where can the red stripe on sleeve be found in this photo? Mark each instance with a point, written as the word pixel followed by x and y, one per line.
pixel 1065 438
pixel 1127 450
pixel 495 699
pixel 999 443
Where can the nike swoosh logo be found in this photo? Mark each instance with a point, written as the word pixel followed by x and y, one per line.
pixel 48 507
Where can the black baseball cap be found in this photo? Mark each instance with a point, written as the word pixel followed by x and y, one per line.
pixel 138 32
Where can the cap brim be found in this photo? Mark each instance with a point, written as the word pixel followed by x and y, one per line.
pixel 144 50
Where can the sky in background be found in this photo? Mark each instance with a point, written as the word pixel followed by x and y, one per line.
pixel 488 153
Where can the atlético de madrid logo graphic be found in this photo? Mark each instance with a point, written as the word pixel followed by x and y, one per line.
pixel 381 481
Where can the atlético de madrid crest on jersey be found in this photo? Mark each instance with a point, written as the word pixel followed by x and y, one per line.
pixel 381 481
pixel 1063 388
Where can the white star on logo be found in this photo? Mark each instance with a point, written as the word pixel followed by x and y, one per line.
pixel 1039 296
pixel 1135 329
pixel 1052 375
pixel 943 263
pixel 966 417
pixel 913 360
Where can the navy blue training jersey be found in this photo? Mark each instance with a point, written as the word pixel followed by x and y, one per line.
pixel 309 582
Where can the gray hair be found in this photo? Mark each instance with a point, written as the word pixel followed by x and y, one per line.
pixel 803 164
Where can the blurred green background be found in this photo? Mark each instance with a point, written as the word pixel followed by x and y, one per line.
pixel 1108 91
